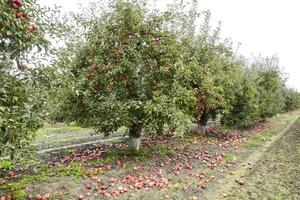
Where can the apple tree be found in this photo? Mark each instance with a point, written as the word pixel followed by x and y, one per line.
pixel 243 109
pixel 126 72
pixel 210 61
pixel 270 84
pixel 257 94
pixel 292 99
pixel 22 29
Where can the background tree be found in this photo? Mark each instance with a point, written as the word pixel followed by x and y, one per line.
pixel 210 61
pixel 243 110
pixel 292 99
pixel 270 85
pixel 257 94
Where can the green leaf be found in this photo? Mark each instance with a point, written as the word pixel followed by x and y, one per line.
pixel 8 33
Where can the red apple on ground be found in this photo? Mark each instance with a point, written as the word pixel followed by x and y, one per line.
pixel 88 186
pixel 80 197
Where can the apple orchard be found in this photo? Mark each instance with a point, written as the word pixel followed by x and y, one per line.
pixel 128 65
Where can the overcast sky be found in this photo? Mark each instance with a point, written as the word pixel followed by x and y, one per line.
pixel 261 26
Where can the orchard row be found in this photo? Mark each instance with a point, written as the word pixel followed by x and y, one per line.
pixel 129 65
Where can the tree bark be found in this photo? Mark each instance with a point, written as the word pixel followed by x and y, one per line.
pixel 203 121
pixel 135 133
pixel 202 112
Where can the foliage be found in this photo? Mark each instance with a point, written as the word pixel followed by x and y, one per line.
pixel 210 62
pixel 6 165
pixel 270 85
pixel 22 33
pixel 124 63
pixel 257 94
pixel 292 99
pixel 126 73
pixel 153 70
pixel 244 108
pixel 19 116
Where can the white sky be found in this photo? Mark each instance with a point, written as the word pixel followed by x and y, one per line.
pixel 261 26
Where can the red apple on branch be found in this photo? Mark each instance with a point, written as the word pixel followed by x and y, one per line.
pixel 19 14
pixel 15 6
pixel 17 3
pixel 33 27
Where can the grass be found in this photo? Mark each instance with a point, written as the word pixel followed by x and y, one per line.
pixel 60 135
pixel 229 156
pixel 24 162
pixel 143 154
pixel 277 124
pixel 256 146
pixel 74 169
pixel 56 129
pixel 17 189
pixel 50 130
pixel 6 165
pixel 275 175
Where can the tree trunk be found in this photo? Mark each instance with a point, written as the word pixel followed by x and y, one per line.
pixel 134 143
pixel 135 133
pixel 203 121
pixel 202 112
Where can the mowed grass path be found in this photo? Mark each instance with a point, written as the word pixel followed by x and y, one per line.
pixel 63 135
pixel 276 175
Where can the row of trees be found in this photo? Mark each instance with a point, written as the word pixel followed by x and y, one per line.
pixel 126 64
pixel 153 70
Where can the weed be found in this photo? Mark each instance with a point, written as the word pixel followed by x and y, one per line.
pixel 6 165
pixel 74 169
pixel 17 188
pixel 229 156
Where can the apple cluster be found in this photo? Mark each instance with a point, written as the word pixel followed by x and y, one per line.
pixel 17 4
